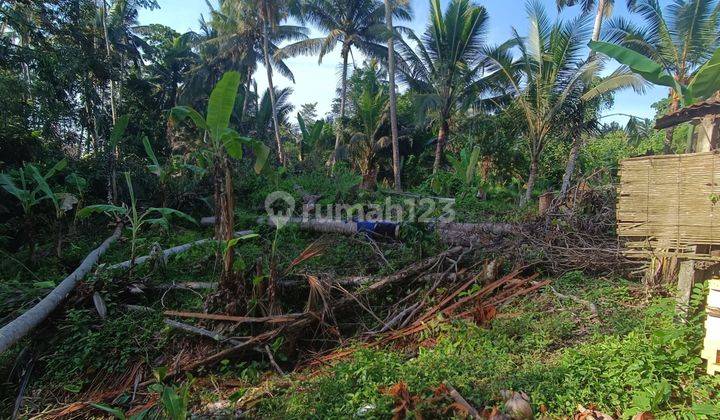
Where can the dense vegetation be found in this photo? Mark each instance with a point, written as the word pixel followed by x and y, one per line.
pixel 107 122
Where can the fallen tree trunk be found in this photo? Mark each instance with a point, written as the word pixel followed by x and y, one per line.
pixel 170 251
pixel 20 326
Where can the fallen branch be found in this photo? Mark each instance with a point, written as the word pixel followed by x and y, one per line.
pixel 168 252
pixel 462 403
pixel 272 360
pixel 591 306
pixel 302 322
pixel 20 326
pixel 201 331
pixel 279 319
pixel 190 285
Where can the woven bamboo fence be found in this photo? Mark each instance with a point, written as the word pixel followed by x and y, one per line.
pixel 669 203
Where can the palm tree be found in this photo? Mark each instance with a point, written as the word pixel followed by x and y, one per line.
pixel 169 56
pixel 548 79
pixel 264 117
pixel 389 5
pixel 680 42
pixel 371 106
pixel 268 13
pixel 603 10
pixel 352 23
pixel 445 67
pixel 244 39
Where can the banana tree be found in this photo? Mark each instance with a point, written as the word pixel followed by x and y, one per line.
pixel 466 164
pixel 165 172
pixel 220 142
pixel 310 137
pixel 133 218
pixel 702 84
pixel 29 186
pixel 699 85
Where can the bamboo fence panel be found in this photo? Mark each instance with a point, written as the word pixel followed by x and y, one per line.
pixel 666 204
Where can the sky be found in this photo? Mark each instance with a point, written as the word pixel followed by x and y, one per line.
pixel 317 82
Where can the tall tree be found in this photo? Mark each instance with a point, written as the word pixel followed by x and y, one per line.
pixel 389 5
pixel 603 11
pixel 548 78
pixel 680 39
pixel 243 39
pixel 352 23
pixel 445 66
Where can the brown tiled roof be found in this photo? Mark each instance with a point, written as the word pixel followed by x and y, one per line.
pixel 688 113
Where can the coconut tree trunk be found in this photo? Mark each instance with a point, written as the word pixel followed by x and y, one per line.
pixel 577 142
pixel 111 176
pixel 22 325
pixel 532 177
pixel 343 94
pixel 271 88
pixel 440 144
pixel 246 98
pixel 570 167
pixel 393 99
pixel 670 131
pixel 599 15
pixel 107 51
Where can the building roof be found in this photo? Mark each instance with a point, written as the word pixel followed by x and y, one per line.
pixel 689 113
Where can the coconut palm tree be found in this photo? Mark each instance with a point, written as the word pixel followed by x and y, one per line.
pixel 246 37
pixel 389 6
pixel 445 66
pixel 602 11
pixel 352 24
pixel 283 108
pixel 549 78
pixel 371 107
pixel 680 39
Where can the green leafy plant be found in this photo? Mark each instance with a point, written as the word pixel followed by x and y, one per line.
pixel 702 84
pixel 221 141
pixel 165 172
pixel 309 138
pixel 30 187
pixel 174 398
pixel 133 217
pixel 466 164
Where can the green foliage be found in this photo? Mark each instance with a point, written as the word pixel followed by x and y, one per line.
pixel 216 123
pixel 135 219
pixel 466 165
pixel 655 366
pixel 310 138
pixel 30 187
pixel 702 85
pixel 85 347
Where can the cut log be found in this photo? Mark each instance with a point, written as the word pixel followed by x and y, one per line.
pixel 20 326
pixel 170 251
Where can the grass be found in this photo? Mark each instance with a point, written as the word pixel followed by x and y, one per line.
pixel 552 350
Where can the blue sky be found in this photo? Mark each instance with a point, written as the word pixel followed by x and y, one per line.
pixel 317 82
